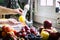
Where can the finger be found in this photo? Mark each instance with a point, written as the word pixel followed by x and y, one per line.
pixel 20 11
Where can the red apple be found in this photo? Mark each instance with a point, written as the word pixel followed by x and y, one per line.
pixel 33 30
pixel 15 32
pixel 40 28
pixel 7 29
pixel 3 34
pixel 24 34
pixel 47 24
pixel 52 34
pixel 3 28
pixel 20 34
pixel 26 28
pixel 23 30
pixel 28 32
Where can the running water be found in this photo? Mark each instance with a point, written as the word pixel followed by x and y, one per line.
pixel 26 8
pixel 24 12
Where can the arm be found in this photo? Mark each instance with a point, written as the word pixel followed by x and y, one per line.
pixel 9 11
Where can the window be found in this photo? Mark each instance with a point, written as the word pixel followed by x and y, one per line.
pixel 43 2
pixel 46 2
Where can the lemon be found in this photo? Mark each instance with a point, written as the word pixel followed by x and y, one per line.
pixel 44 35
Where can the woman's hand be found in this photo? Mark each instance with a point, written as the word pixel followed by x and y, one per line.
pixel 19 11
